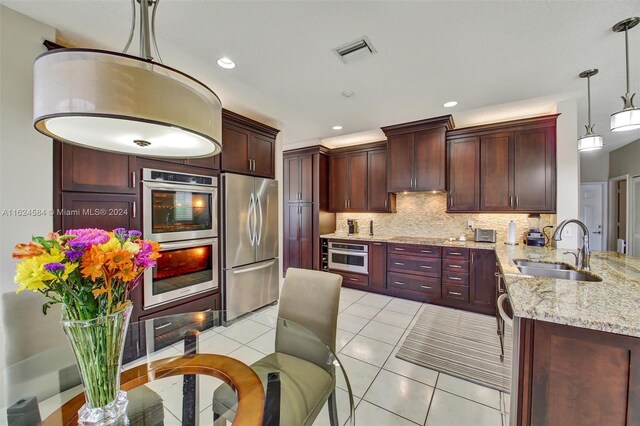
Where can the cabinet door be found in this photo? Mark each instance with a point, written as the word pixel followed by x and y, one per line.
pixel 464 175
pixel 207 162
pixel 496 184
pixel 89 170
pixel 378 197
pixel 291 252
pixel 261 152
pixel 401 160
pixel 306 178
pixel 105 211
pixel 377 265
pixel 357 186
pixel 235 149
pixel 430 158
pixel 534 170
pixel 306 236
pixel 338 174
pixel 483 281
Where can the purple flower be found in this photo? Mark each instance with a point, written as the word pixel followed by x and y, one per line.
pixel 90 236
pixel 77 244
pixel 54 267
pixel 142 257
pixel 134 235
pixel 118 231
pixel 73 255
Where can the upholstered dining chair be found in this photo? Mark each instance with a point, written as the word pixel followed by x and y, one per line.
pixel 28 332
pixel 310 299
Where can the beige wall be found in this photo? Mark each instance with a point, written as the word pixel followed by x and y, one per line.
pixel 26 157
pixel 594 166
pixel 625 160
pixel 568 170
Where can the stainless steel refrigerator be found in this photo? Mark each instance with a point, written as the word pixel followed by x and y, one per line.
pixel 250 243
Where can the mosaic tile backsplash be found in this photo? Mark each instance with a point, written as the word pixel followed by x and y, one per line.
pixel 423 214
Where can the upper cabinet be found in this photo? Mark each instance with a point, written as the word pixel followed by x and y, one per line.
pixel 509 166
pixel 248 147
pixel 417 155
pixel 358 179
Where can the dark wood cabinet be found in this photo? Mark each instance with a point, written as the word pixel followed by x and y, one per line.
pixel 207 162
pixel 89 170
pixel 358 179
pixel 575 376
pixel 306 204
pixel 417 155
pixel 104 211
pixel 463 157
pixel 514 170
pixel 378 265
pixel 482 270
pixel 248 147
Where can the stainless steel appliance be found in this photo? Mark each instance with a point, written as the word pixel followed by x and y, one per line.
pixel 349 257
pixel 178 206
pixel 250 243
pixel 353 226
pixel 485 235
pixel 534 237
pixel 184 269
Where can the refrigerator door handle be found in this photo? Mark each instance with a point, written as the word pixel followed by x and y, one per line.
pixel 254 268
pixel 259 234
pixel 252 207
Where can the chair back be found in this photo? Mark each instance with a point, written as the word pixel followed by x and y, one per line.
pixel 310 299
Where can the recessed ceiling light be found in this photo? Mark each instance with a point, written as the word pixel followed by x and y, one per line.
pixel 450 104
pixel 337 127
pixel 226 63
pixel 347 93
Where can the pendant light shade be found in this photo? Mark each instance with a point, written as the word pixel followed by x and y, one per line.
pixel 629 117
pixel 117 102
pixel 590 141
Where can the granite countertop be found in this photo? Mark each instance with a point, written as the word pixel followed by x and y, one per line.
pixel 399 239
pixel 612 305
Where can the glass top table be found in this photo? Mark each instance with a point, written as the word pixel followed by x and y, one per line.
pixel 178 362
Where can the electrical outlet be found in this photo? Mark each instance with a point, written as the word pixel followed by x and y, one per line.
pixel 566 232
pixel 470 224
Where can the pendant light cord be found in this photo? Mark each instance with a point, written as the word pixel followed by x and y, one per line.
pixel 147 36
pixel 626 48
pixel 153 30
pixel 589 100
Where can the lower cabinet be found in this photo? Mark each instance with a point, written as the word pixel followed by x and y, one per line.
pixel 414 272
pixel 378 265
pixel 483 281
pixel 298 238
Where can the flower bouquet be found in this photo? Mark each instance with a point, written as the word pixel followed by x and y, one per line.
pixel 91 272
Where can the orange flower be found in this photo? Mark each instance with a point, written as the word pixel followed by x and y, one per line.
pixel 119 260
pixel 27 251
pixel 126 274
pixel 92 263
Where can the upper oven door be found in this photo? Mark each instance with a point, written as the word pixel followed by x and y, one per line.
pixel 174 212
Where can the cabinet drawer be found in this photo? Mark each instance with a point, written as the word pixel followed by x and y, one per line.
pixel 455 265
pixel 426 251
pixel 427 285
pixel 349 278
pixel 455 292
pixel 455 253
pixel 414 265
pixel 458 278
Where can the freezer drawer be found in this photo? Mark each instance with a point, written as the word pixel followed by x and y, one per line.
pixel 250 287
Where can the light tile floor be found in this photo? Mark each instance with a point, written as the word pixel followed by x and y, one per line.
pixel 387 391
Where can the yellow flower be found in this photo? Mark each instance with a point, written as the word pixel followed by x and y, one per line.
pixel 31 274
pixel 68 269
pixel 112 244
pixel 132 247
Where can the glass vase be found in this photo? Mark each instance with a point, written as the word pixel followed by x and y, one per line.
pixel 98 346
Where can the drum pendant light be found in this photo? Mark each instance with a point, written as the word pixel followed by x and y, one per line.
pixel 128 104
pixel 590 141
pixel 629 117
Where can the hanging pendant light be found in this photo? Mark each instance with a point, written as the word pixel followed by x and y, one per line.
pixel 590 141
pixel 122 103
pixel 629 117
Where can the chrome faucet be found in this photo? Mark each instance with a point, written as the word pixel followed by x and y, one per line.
pixel 584 254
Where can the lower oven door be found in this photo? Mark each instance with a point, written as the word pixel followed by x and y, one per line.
pixel 184 268
pixel 345 260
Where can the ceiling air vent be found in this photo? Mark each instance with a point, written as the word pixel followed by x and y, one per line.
pixel 355 50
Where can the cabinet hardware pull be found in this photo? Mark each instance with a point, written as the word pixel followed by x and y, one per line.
pixel 455 278
pixel 133 209
pixel 398 282
pixel 455 253
pixel 160 327
pixel 249 160
pixel 452 201
pixel 377 244
pixel 345 204
pixel 425 251
pixel 471 257
pixel 425 286
pixel 510 201
pixel 425 267
pixel 133 179
pixel 455 293
pixel 455 266
pixel 399 249
pixel 517 201
pixel 385 203
pixel 398 263
pixel 353 279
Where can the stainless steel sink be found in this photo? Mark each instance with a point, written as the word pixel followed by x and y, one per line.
pixel 542 265
pixel 563 274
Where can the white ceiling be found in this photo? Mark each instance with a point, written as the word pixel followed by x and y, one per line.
pixel 498 59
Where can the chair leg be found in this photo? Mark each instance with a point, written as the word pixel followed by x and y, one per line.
pixel 333 409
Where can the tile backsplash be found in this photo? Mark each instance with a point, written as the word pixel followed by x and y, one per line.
pixel 424 214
